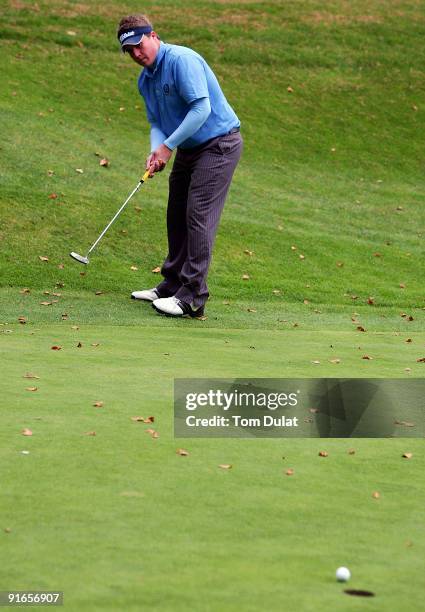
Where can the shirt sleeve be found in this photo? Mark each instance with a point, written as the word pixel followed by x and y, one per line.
pixel 157 136
pixel 190 78
pixel 199 112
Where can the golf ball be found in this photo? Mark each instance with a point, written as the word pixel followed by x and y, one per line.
pixel 343 574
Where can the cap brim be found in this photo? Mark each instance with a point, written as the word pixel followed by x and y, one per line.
pixel 131 41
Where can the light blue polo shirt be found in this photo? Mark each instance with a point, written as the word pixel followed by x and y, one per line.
pixel 180 76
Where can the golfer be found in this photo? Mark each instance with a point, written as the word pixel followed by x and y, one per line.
pixel 189 113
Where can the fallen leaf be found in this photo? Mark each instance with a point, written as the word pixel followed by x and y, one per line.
pixel 53 196
pixel 25 290
pixel 225 466
pixel 335 360
pixel 182 452
pixel 57 294
pixel 95 344
pixel 407 455
pixel 134 268
pixel 276 292
pixel 150 419
pixel 31 389
pixel 289 89
pixel 367 357
pixel 360 328
pixel 323 454
pixel 89 433
pixel 339 264
pixel 376 495
pixel 420 360
pixel 245 276
pixel 50 172
pixel 98 292
pixel 316 362
pixel 370 300
pixel 30 375
pixel 104 162
pixel 290 472
pixel 402 286
pixel 56 348
pixel 74 327
pixel 377 254
pixel 43 258
pixel 351 451
pixel 156 270
pixel 251 310
pixel 79 345
pixel 293 248
pixel 22 320
pixel 7 530
pixel 79 170
pixel 71 33
pixel 314 410
pixel 301 256
pixel 26 432
pixel 404 423
pixel 46 303
pixel 248 252
pixel 98 404
pixel 409 340
pixel 122 108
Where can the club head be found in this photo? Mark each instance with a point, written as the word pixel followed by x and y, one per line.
pixel 80 258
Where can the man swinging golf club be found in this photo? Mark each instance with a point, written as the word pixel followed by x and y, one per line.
pixel 187 111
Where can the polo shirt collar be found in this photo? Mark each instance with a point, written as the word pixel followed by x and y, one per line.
pixel 152 69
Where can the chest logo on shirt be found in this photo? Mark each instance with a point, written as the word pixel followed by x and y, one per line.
pixel 166 89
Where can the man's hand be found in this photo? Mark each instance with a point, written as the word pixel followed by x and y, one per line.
pixel 158 159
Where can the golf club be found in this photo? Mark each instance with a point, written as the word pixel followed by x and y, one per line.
pixel 85 260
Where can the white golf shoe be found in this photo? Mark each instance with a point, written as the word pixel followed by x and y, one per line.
pixel 148 295
pixel 173 307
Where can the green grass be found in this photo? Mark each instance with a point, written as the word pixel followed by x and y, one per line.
pixel 333 171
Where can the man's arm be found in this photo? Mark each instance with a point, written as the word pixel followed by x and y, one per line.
pixel 198 113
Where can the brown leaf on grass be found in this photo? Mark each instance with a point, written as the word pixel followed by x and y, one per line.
pixel 407 455
pixel 26 432
pixel 134 268
pixel 225 466
pixel 98 292
pixel 138 419
pixel 74 327
pixel 22 320
pixel 245 276
pixel 335 360
pixel 56 294
pixel 61 266
pixel 53 196
pixel 155 434
pixel 420 360
pixel 43 258
pixel 25 290
pixel 370 300
pixel 150 419
pixel 404 423
pixel 248 252
pixel 104 162
pixel 46 303
pixel 56 348
pixel 301 256
pixel 409 340
pixel 95 344
pixel 377 254
pixel 289 89
pixel 89 433
pixel 351 451
pixel 7 530
pixel 293 248
pixel 30 375
pixel 182 452
pixel 323 454
pixel 31 389
pixel 367 357
pixel 376 495
pixel 289 472
pixel 79 170
pixel 50 172
pixel 360 328
pixel 64 316
pixel 314 410
pixel 79 345
pixel 402 286
pixel 339 264
pixel 98 404
pixel 251 310
pixel 316 362
pixel 276 292
pixel 156 270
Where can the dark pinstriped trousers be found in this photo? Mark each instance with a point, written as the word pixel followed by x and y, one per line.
pixel 199 182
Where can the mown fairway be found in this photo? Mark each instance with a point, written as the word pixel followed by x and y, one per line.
pixel 325 217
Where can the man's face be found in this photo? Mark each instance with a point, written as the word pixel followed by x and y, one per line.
pixel 146 51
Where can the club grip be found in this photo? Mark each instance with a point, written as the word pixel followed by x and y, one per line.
pixel 145 176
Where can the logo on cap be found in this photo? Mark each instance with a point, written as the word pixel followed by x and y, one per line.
pixel 126 35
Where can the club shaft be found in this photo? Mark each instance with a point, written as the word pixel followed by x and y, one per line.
pixel 140 183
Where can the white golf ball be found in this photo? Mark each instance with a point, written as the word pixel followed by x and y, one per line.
pixel 343 574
